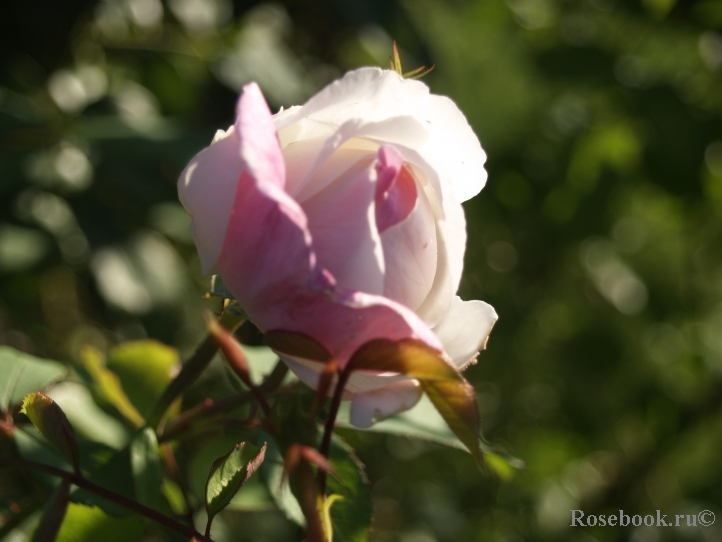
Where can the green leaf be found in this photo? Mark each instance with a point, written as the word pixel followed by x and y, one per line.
pixel 91 524
pixel 219 289
pixel 261 362
pixel 351 515
pixel 86 417
pixel 32 446
pixel 53 515
pixel 231 306
pixel 229 473
pixel 455 400
pixel 21 373
pixel 422 422
pixel 111 471
pixel 410 357
pixel 296 344
pixel 271 472
pixel 47 417
pixel 146 468
pixel 174 495
pixel 291 417
pixel 145 369
pixel 109 386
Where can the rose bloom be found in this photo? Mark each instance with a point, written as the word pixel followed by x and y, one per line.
pixel 342 219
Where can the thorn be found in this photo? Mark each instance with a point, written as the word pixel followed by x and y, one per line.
pixel 397 60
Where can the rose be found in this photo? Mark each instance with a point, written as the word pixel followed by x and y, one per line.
pixel 342 220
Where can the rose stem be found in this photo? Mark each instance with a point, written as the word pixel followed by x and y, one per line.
pixel 325 447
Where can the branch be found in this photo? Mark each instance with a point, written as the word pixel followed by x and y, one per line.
pixel 130 504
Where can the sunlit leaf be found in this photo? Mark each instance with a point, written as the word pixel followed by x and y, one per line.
pixel 229 473
pixel 87 418
pixel 145 368
pixel 90 524
pixel 456 402
pixel 145 464
pixel 174 495
pixel 21 373
pixel 109 386
pixel 47 417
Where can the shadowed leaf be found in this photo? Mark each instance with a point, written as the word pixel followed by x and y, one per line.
pixel 54 514
pixel 21 373
pixel 145 464
pixel 47 417
pixel 352 511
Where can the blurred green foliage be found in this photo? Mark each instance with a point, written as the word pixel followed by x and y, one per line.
pixel 597 238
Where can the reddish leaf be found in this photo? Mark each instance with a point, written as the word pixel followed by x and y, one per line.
pixel 456 401
pixel 410 357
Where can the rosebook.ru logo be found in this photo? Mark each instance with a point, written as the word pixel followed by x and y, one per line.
pixel 705 518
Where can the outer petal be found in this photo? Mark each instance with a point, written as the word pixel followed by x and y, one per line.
pixel 206 189
pixel 378 405
pixel 465 330
pixel 451 241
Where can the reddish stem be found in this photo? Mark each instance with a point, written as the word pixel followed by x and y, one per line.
pixel 130 504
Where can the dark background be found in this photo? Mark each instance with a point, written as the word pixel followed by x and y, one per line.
pixel 597 237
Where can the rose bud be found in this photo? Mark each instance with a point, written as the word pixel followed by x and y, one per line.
pixel 342 220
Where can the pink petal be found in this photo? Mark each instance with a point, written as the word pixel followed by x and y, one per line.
pixel 342 223
pixel 410 255
pixel 259 145
pixel 206 188
pixel 377 405
pixel 269 263
pixel 395 189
